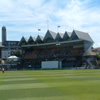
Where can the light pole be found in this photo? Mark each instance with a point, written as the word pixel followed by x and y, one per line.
pixel 58 54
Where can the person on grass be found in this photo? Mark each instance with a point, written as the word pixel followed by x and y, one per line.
pixel 3 70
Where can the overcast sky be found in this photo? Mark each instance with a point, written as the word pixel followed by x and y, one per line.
pixel 25 17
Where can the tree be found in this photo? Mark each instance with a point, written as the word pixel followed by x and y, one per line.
pixel 98 56
pixel 18 53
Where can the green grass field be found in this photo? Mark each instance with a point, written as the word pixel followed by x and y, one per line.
pixel 50 85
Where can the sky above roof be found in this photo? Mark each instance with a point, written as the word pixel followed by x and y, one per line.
pixel 25 17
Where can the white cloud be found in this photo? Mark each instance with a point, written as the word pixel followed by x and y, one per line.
pixel 76 16
pixel 97 44
pixel 27 16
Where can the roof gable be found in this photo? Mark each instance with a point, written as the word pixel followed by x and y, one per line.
pixel 74 36
pixel 53 34
pixel 23 39
pixel 83 35
pixel 31 38
pixel 50 35
pixel 39 39
pixel 59 36
pixel 67 35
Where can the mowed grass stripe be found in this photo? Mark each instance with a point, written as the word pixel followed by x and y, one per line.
pixel 19 79
pixel 21 82
pixel 17 76
pixel 30 93
pixel 23 86
pixel 95 77
pixel 74 86
pixel 27 90
pixel 2 77
pixel 63 84
pixel 40 88
pixel 47 98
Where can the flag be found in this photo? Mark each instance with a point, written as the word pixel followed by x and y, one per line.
pixel 58 26
pixel 39 29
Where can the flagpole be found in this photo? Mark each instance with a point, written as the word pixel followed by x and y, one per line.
pixel 47 25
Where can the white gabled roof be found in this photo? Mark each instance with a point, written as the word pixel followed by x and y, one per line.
pixel 39 38
pixel 83 35
pixel 53 34
pixel 67 35
pixel 50 34
pixel 23 39
pixel 59 36
pixel 31 38
pixel 75 35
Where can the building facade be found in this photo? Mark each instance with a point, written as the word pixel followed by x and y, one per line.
pixel 9 46
pixel 68 48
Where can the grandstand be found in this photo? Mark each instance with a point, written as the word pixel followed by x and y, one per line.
pixel 68 48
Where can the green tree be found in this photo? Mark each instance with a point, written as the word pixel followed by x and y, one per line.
pixel 98 56
pixel 18 53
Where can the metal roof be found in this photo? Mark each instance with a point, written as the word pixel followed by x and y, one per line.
pixel 59 36
pixel 24 39
pixel 83 35
pixel 39 38
pixel 53 34
pixel 31 38
pixel 50 34
pixel 67 35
